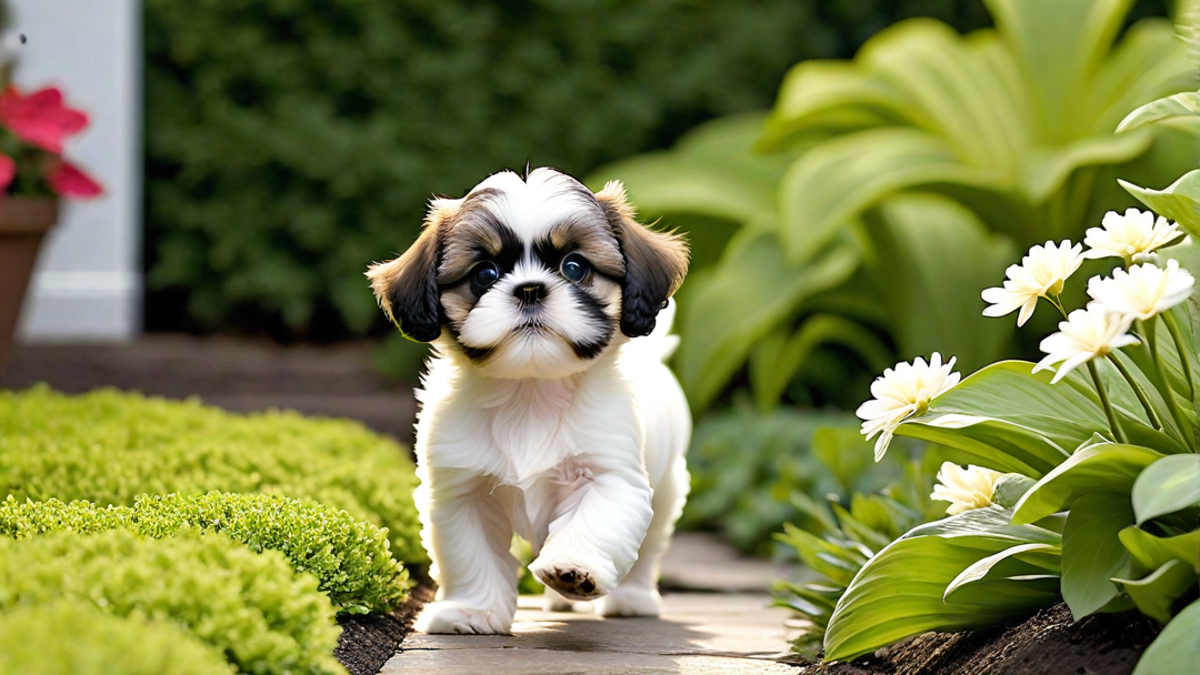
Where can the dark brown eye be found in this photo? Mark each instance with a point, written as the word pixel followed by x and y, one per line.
pixel 574 267
pixel 485 274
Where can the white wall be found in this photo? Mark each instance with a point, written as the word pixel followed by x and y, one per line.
pixel 88 282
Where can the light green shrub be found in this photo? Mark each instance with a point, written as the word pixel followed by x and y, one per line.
pixel 350 558
pixel 267 618
pixel 109 447
pixel 72 638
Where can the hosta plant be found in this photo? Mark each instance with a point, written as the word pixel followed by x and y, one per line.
pixel 1084 481
pixel 872 175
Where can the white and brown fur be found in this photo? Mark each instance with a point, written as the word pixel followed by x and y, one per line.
pixel 547 409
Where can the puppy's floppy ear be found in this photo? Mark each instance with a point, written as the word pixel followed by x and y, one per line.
pixel 655 262
pixel 407 287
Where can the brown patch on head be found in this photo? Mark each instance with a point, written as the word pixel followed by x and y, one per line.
pixel 593 240
pixel 406 287
pixel 655 262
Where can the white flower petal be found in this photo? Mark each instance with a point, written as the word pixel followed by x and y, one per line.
pixel 901 392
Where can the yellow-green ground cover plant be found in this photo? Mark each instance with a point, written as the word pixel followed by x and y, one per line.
pixel 266 618
pixel 110 447
pixel 251 533
pixel 1082 471
pixel 349 557
pixel 73 638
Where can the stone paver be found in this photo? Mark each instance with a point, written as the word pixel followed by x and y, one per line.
pixel 700 633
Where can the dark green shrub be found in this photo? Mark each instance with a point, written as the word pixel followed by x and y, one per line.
pixel 72 638
pixel 267 618
pixel 110 448
pixel 290 142
pixel 350 558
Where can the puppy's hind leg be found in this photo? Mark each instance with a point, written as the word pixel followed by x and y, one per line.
pixel 467 531
pixel 637 594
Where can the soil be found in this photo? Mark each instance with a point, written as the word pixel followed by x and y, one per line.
pixel 369 640
pixel 1047 643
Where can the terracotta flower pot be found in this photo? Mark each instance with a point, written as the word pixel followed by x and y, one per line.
pixel 23 223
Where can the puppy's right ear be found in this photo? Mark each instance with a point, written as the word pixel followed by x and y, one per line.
pixel 407 287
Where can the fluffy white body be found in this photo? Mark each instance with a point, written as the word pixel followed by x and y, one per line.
pixel 589 469
pixel 547 409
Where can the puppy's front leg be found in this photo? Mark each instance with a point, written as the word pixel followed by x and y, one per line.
pixel 598 526
pixel 468 532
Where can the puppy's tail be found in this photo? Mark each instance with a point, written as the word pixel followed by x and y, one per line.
pixel 659 345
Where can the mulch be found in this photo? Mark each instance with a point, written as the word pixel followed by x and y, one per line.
pixel 369 640
pixel 1046 643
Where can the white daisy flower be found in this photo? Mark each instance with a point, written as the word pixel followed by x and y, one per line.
pixel 1144 291
pixel 901 392
pixel 1085 335
pixel 965 489
pixel 1041 273
pixel 1132 236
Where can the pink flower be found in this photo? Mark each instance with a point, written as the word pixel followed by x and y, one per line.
pixel 69 181
pixel 8 171
pixel 40 118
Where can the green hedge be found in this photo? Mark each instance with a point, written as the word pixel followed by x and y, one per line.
pixel 291 142
pixel 108 447
pixel 264 616
pixel 350 558
pixel 72 638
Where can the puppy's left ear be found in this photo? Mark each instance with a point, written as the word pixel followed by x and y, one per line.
pixel 655 262
pixel 407 287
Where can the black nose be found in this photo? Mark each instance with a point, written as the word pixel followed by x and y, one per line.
pixel 531 292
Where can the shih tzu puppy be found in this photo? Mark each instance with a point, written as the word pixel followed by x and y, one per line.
pixel 547 409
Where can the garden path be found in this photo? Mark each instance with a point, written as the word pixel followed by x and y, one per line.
pixel 704 631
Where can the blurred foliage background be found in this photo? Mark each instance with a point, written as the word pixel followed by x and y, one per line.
pixel 845 206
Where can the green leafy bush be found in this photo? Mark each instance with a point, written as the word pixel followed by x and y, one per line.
pixel 265 617
pixel 889 189
pixel 109 448
pixel 1100 507
pixel 290 142
pixel 72 638
pixel 350 558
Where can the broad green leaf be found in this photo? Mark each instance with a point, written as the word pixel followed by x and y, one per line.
pixel 1147 64
pixel 836 180
pixel 828 95
pixel 775 359
pixel 1104 467
pixel 731 307
pixel 1010 419
pixel 1156 593
pixel 1187 103
pixel 1176 651
pixel 1010 488
pixel 1007 563
pixel 1179 201
pixel 1166 486
pixel 898 593
pixel 818 554
pixel 1150 552
pixel 931 289
pixel 711 171
pixel 1060 45
pixel 1092 552
pixel 1047 168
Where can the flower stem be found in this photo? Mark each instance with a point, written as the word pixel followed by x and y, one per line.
pixel 1137 389
pixel 1118 433
pixel 1184 356
pixel 1057 305
pixel 1164 386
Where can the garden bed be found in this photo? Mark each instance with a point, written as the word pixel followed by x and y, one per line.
pixel 369 640
pixel 1047 643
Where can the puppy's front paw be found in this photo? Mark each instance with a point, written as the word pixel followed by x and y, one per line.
pixel 630 601
pixel 574 579
pixel 455 617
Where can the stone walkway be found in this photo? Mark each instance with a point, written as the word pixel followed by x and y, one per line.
pixel 701 633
